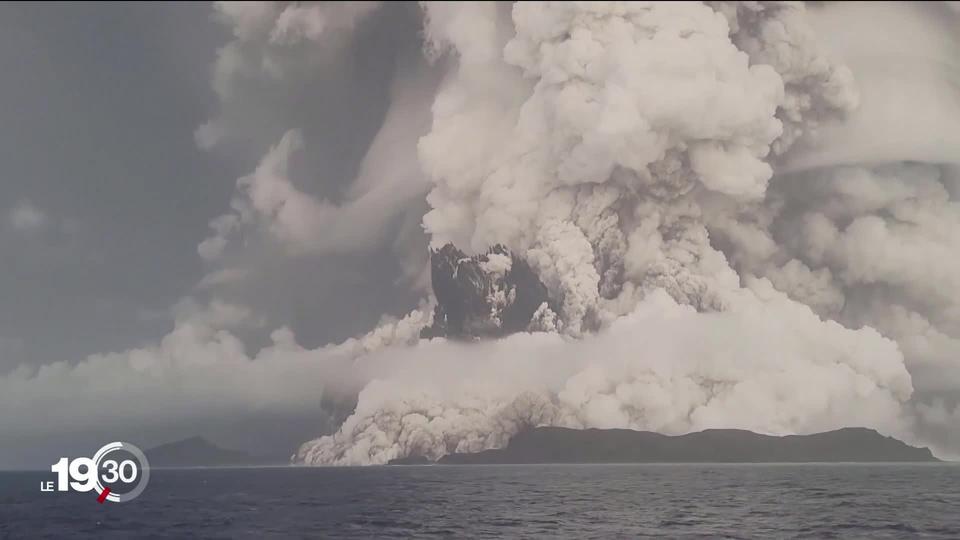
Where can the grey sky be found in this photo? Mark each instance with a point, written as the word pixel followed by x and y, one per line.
pixel 105 195
pixel 99 103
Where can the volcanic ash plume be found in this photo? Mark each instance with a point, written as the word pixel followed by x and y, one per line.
pixel 612 165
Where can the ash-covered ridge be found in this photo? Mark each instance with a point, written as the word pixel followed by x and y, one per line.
pixel 487 295
pixel 563 445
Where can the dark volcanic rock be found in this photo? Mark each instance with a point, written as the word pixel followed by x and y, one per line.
pixel 562 445
pixel 487 295
pixel 411 460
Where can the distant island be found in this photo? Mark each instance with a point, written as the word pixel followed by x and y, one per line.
pixel 563 445
pixel 411 460
pixel 198 452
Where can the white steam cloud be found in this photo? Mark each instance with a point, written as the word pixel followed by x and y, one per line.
pixel 627 150
pixel 662 367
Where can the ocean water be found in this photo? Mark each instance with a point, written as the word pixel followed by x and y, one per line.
pixel 549 501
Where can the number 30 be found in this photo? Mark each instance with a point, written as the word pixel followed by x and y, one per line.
pixel 120 471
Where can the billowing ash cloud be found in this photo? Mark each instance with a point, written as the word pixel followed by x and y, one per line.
pixel 908 85
pixel 663 367
pixel 656 215
pixel 626 152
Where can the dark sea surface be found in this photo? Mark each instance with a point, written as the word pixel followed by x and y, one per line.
pixel 512 501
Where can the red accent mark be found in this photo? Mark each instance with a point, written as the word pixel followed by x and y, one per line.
pixel 103 496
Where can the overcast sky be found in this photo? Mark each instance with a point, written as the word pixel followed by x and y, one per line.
pixel 105 195
pixel 105 192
